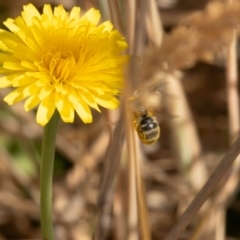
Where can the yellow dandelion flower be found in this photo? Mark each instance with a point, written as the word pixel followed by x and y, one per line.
pixel 59 60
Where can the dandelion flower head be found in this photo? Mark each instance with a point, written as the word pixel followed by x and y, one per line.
pixel 61 61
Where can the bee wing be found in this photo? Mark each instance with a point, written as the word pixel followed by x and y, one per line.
pixel 163 115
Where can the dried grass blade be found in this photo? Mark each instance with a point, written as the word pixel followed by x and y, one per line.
pixel 220 171
pixel 115 14
pixel 112 161
pixel 144 225
pixel 153 22
pixel 232 89
pixel 137 192
pixel 131 23
pixel 184 133
pixel 132 233
pixel 102 5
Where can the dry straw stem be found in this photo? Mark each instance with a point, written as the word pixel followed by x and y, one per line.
pixel 120 204
pixel 115 14
pixel 231 180
pixel 141 202
pixel 131 18
pixel 184 133
pixel 153 23
pixel 103 6
pixel 111 165
pixel 232 84
pixel 136 192
pixel 220 218
pixel 132 221
pixel 136 188
pixel 113 153
pixel 219 172
pixel 233 103
pixel 201 226
pixel 217 207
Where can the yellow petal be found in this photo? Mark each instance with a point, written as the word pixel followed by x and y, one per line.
pixel 21 80
pixel 14 66
pixel 75 13
pixel 14 97
pixel 6 81
pixel 10 24
pixel 24 53
pixel 31 102
pixel 65 108
pixel 31 89
pixel 60 12
pixel 107 26
pixel 31 43
pixel 10 44
pixel 92 15
pixel 4 71
pixel 45 110
pixel 45 92
pixel 38 35
pixel 6 57
pixel 29 65
pixel 81 108
pixel 108 101
pixel 29 13
pixel 8 35
pixel 90 100
pixel 48 10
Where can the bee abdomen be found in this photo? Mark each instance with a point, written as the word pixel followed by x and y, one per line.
pixel 149 130
pixel 148 123
pixel 149 126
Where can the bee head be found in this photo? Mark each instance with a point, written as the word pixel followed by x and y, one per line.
pixel 143 112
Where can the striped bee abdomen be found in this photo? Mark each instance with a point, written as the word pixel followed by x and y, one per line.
pixel 147 127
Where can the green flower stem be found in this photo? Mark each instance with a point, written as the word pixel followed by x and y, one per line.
pixel 46 176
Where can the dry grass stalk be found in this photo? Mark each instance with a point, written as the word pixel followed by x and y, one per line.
pixel 153 23
pixel 115 14
pixel 142 204
pixel 234 126
pixel 112 161
pixel 232 90
pixel 219 172
pixel 132 231
pixel 184 134
pixel 136 192
pixel 131 18
pixel 220 217
pixel 120 203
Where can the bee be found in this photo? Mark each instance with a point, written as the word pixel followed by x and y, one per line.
pixel 146 126
pixel 144 120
